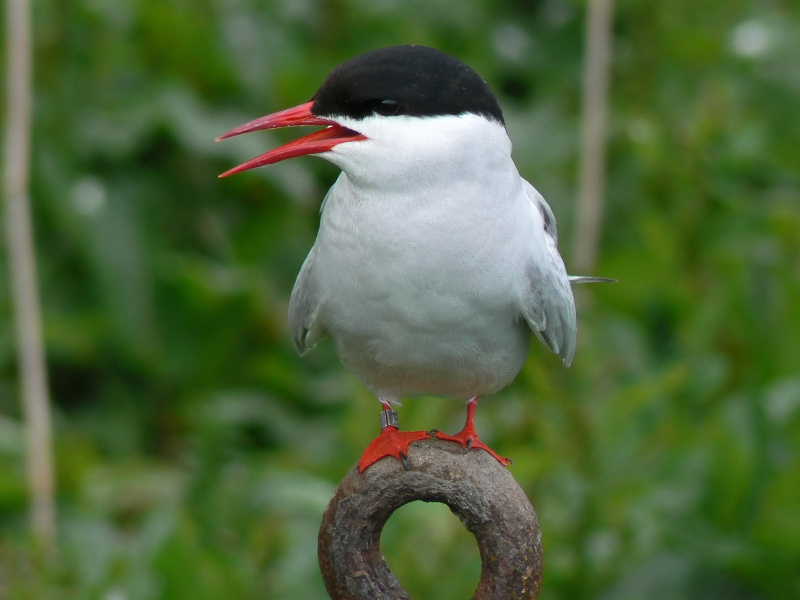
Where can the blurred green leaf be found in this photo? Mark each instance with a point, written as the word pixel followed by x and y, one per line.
pixel 196 452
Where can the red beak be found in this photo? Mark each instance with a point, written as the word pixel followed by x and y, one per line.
pixel 319 141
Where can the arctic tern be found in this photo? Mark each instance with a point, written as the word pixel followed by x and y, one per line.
pixel 435 259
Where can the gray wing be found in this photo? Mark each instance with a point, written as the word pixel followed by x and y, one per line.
pixel 550 224
pixel 547 302
pixel 304 307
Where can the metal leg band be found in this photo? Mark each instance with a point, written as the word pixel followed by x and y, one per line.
pixel 389 418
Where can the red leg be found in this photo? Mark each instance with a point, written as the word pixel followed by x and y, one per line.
pixel 391 441
pixel 468 437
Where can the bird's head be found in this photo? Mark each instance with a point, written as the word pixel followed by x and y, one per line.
pixel 392 113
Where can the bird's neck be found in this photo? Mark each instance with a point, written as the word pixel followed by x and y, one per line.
pixel 481 187
pixel 412 154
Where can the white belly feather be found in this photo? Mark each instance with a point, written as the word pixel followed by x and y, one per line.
pixel 420 295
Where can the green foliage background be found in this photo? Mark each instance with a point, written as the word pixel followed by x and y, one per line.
pixel 196 452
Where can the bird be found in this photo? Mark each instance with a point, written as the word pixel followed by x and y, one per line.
pixel 435 261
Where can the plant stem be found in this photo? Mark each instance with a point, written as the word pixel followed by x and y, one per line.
pixel 22 266
pixel 593 144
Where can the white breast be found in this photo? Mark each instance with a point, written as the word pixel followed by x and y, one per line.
pixel 420 284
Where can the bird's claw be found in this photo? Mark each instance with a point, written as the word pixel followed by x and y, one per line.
pixel 470 440
pixel 390 442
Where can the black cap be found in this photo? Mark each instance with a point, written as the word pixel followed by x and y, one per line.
pixel 405 80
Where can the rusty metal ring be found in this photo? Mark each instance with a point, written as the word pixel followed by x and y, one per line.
pixel 480 491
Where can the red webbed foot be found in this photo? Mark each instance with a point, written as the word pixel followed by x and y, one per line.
pixel 471 440
pixel 468 437
pixel 391 442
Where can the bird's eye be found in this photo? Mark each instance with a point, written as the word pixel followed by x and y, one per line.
pixel 387 107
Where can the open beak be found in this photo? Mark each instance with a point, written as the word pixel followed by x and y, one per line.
pixel 314 143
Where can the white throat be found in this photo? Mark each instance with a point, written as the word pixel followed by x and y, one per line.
pixel 404 152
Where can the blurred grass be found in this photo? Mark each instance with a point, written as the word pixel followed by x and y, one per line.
pixel 196 452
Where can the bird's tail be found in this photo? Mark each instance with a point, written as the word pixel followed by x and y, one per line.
pixel 590 279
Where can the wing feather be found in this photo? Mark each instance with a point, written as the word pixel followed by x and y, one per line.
pixel 304 307
pixel 548 305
